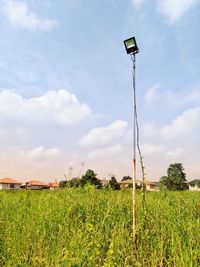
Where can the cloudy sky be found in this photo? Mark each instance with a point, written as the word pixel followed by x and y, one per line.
pixel 65 87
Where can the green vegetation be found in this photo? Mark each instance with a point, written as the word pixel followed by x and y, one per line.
pixel 126 178
pixel 90 177
pixel 175 179
pixel 113 184
pixel 90 227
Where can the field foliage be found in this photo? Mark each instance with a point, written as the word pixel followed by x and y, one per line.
pixel 90 227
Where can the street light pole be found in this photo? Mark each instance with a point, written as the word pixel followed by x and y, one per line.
pixel 132 49
pixel 134 147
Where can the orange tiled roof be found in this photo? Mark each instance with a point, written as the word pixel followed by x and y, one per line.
pixel 36 183
pixel 9 181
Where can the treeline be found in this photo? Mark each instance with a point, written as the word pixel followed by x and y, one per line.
pixel 90 178
pixel 175 180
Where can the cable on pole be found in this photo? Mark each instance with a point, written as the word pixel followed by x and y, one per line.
pixel 136 137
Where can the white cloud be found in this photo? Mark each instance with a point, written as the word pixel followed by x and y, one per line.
pixel 175 98
pixel 150 149
pixel 175 9
pixel 104 135
pixel 193 96
pixel 105 153
pixel 38 163
pixel 40 153
pixel 48 120
pixel 19 15
pixel 193 171
pixel 138 3
pixel 148 133
pixel 175 153
pixel 148 130
pixel 152 95
pixel 181 98
pixel 54 107
pixel 183 124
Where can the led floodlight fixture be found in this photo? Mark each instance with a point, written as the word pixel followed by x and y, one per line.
pixel 131 46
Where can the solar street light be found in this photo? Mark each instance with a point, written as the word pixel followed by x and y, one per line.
pixel 132 49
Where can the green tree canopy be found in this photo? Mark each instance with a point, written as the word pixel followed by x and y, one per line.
pixel 90 178
pixel 175 179
pixel 113 184
pixel 74 182
pixel 63 184
pixel 198 183
pixel 126 178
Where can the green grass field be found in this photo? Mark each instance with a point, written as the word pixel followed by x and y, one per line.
pixel 89 227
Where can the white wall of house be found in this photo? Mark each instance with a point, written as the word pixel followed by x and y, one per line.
pixel 9 186
pixel 194 188
pixel 151 187
pixel 17 186
pixel 4 186
pixel 36 187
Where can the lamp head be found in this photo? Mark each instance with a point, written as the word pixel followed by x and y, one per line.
pixel 131 46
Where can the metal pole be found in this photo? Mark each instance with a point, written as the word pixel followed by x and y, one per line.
pixel 134 149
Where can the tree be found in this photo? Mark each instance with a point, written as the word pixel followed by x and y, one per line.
pixel 113 184
pixel 175 179
pixel 63 184
pixel 74 182
pixel 126 178
pixel 165 182
pixel 90 178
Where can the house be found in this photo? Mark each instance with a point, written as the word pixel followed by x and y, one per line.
pixel 194 188
pixel 194 185
pixel 126 184
pixel 54 185
pixel 36 185
pixel 150 186
pixel 104 182
pixel 129 184
pixel 9 183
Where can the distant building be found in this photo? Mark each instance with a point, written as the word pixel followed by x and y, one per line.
pixel 126 184
pixel 104 182
pixel 150 186
pixel 194 185
pixel 36 185
pixel 54 185
pixel 9 183
pixel 194 188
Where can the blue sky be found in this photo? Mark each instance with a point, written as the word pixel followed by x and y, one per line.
pixel 65 86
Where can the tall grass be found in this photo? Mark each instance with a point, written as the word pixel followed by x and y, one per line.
pixel 88 227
